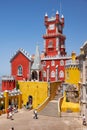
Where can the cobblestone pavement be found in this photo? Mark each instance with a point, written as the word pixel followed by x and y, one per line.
pixel 23 120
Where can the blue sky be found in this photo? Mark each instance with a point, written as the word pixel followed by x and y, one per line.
pixel 22 26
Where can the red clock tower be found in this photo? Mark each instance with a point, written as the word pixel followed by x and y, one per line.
pixel 54 49
pixel 54 40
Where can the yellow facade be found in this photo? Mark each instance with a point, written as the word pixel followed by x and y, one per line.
pixel 72 75
pixel 72 72
pixel 38 91
pixel 69 106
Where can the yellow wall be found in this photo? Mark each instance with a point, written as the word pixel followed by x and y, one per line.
pixel 38 91
pixel 53 88
pixel 72 72
pixel 73 76
pixel 69 106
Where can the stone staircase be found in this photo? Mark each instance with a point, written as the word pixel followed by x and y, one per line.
pixel 52 108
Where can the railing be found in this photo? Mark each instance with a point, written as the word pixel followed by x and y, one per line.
pixel 41 106
pixel 59 105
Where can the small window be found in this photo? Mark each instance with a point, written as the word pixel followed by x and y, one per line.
pixel 52 63
pixel 67 75
pixel 50 45
pixel 61 63
pixel 19 70
pixel 53 74
pixel 44 63
pixel 44 74
pixel 61 74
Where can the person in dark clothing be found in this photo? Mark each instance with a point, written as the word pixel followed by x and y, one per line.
pixel 35 114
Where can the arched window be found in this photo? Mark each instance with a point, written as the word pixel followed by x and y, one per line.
pixel 50 44
pixel 61 63
pixel 44 73
pixel 52 63
pixel 67 75
pixel 20 70
pixel 61 74
pixel 53 74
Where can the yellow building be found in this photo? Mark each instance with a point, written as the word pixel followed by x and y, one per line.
pixel 37 92
pixel 72 72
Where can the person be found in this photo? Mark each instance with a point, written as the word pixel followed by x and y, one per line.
pixel 11 115
pixel 35 114
pixel 84 120
pixel 12 128
pixel 7 113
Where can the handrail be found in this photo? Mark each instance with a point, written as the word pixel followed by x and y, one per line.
pixel 59 105
pixel 41 106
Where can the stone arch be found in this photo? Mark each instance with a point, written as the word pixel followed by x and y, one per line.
pixel 34 75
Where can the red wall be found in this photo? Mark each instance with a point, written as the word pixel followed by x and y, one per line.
pixel 8 85
pixel 53 68
pixel 22 60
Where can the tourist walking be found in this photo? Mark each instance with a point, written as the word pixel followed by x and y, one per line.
pixel 35 114
pixel 84 120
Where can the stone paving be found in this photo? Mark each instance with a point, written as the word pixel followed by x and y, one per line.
pixel 23 120
pixel 47 120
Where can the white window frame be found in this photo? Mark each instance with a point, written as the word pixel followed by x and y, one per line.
pixel 52 63
pixel 61 74
pixel 61 62
pixel 52 74
pixel 20 70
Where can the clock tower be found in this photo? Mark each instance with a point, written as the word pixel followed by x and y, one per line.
pixel 54 40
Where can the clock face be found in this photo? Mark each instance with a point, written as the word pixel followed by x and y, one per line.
pixel 51 26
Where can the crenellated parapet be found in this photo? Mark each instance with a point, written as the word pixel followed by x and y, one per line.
pixel 57 19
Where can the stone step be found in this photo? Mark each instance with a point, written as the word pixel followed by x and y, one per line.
pixel 51 109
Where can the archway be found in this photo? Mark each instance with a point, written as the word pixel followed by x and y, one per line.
pixel 34 75
pixel 30 99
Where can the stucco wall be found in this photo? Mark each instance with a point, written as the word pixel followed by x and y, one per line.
pixel 38 91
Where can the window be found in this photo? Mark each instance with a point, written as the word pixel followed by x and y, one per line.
pixel 50 45
pixel 61 74
pixel 61 63
pixel 53 74
pixel 51 26
pixel 44 63
pixel 44 74
pixel 20 70
pixel 52 63
pixel 67 75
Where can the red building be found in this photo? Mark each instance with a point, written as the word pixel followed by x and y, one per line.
pixel 50 67
pixel 20 65
pixel 8 83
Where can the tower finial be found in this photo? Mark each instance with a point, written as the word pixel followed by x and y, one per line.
pixel 57 12
pixel 46 14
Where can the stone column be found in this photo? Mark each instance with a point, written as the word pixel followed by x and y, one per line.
pixel 20 101
pixel 47 73
pixel 83 74
pixel 6 95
